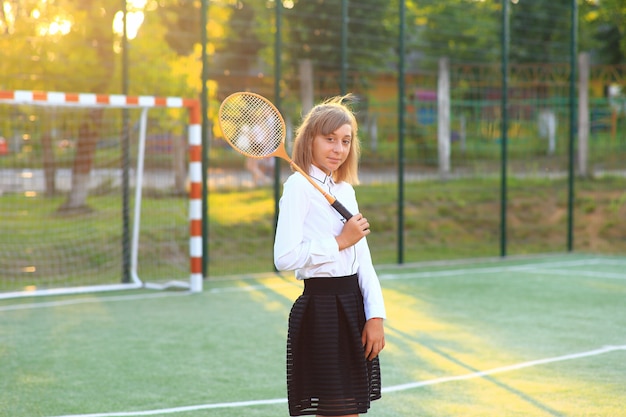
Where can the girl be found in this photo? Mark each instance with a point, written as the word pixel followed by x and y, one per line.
pixel 336 325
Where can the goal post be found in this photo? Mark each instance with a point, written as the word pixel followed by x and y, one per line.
pixel 56 147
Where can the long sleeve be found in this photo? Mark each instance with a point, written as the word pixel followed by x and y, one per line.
pixel 369 283
pixel 305 238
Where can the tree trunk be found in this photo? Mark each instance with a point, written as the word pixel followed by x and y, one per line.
pixel 180 172
pixel 89 133
pixel 49 168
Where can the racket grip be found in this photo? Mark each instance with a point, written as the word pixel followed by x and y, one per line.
pixel 341 210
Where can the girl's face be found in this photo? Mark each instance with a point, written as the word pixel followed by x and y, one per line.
pixel 330 151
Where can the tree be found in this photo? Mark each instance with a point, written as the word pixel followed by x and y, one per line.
pixel 181 19
pixel 241 45
pixel 95 23
pixel 64 45
pixel 603 30
pixel 465 31
pixel 541 31
pixel 241 37
pixel 314 32
pixel 40 45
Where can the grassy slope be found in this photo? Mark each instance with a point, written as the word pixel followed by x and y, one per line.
pixel 442 220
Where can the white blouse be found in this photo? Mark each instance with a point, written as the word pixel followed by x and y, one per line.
pixel 305 237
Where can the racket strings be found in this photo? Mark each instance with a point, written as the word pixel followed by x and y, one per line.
pixel 251 125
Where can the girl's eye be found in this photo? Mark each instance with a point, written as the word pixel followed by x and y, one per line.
pixel 346 142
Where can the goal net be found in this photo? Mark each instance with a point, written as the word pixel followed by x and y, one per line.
pixel 98 192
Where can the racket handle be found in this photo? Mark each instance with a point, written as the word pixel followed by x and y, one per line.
pixel 331 200
pixel 341 210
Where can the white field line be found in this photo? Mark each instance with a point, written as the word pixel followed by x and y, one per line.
pixel 508 368
pixel 493 270
pixel 132 297
pixel 530 268
pixel 60 303
pixel 173 410
pixel 591 274
pixel 395 388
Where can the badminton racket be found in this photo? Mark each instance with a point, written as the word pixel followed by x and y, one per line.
pixel 254 127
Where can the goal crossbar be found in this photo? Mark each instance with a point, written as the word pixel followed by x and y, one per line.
pixel 194 139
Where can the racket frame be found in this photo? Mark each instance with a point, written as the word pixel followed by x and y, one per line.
pixel 280 151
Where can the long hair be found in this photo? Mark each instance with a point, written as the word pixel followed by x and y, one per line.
pixel 324 119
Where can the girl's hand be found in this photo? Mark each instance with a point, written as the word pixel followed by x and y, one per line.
pixel 353 230
pixel 373 337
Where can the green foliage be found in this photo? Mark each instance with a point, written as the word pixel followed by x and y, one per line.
pixel 540 31
pixel 182 20
pixel 603 29
pixel 315 33
pixel 247 34
pixel 64 45
pixel 618 203
pixel 464 30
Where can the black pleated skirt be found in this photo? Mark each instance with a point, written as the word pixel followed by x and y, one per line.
pixel 327 372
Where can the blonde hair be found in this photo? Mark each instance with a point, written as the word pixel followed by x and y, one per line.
pixel 324 119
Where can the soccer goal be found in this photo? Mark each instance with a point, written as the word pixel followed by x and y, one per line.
pixel 99 193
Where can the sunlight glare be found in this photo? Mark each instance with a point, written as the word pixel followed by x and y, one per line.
pixel 9 17
pixel 59 27
pixel 44 27
pixel 134 19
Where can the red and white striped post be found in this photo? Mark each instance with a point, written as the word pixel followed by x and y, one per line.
pixel 195 196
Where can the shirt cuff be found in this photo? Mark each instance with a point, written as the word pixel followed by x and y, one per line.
pixel 373 311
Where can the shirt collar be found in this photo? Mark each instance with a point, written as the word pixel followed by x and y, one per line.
pixel 320 175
